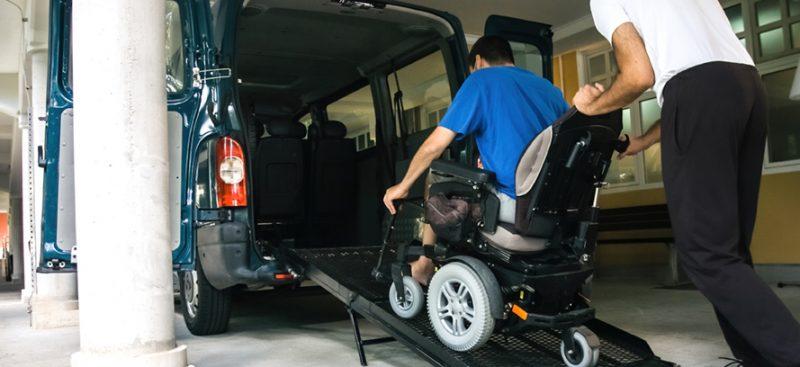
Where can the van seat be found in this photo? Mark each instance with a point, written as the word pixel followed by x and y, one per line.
pixel 279 173
pixel 333 172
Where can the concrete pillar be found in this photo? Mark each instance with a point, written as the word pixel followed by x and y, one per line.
pixel 54 302
pixel 121 188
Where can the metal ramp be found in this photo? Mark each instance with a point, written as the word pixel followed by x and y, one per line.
pixel 345 272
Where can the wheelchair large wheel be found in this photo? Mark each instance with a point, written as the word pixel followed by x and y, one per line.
pixel 587 349
pixel 458 308
pixel 414 299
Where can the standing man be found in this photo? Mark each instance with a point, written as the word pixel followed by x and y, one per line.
pixel 713 125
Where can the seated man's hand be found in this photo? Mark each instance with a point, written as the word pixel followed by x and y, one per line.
pixel 586 96
pixel 393 193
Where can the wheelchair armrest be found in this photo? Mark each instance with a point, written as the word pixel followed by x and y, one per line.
pixel 462 171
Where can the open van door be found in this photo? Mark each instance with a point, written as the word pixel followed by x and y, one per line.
pixel 186 58
pixel 531 42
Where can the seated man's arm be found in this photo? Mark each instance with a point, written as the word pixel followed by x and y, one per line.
pixel 634 78
pixel 431 149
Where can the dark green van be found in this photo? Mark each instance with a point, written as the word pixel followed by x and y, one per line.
pixel 287 121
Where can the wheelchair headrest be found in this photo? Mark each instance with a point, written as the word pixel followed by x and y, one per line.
pixel 284 128
pixel 333 130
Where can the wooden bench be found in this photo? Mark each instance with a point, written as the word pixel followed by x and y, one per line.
pixel 641 224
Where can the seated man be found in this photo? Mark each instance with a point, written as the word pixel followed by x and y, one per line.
pixel 504 108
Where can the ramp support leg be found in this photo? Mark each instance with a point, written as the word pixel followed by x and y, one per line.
pixel 360 343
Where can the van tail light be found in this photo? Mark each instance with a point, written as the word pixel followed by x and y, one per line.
pixel 231 174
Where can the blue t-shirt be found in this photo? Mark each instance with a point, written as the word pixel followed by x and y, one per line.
pixel 504 107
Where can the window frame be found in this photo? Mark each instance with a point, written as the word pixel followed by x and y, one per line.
pixel 774 66
pixel 747 34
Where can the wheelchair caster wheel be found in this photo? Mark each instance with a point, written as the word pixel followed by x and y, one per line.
pixel 586 352
pixel 458 308
pixel 414 299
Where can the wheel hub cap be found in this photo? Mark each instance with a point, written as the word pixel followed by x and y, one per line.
pixel 190 292
pixel 456 310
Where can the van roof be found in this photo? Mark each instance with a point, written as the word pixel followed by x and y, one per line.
pixel 293 53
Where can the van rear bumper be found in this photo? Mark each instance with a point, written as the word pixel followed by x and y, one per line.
pixel 223 251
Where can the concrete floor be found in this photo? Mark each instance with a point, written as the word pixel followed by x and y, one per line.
pixel 310 328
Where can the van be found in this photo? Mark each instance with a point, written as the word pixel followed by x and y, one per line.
pixel 287 121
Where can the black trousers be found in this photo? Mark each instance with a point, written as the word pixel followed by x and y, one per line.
pixel 712 139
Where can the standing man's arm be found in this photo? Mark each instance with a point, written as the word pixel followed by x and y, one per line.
pixel 652 136
pixel 634 78
pixel 432 148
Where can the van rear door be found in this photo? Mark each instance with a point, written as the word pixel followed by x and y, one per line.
pixel 186 22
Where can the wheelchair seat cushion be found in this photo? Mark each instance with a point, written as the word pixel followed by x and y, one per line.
pixel 506 238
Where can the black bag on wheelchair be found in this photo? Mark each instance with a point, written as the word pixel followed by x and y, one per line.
pixel 449 218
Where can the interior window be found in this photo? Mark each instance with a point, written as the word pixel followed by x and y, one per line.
pixel 528 57
pixel 601 68
pixel 784 117
pixel 426 92
pixel 306 120
pixel 357 112
pixel 174 48
pixel 623 170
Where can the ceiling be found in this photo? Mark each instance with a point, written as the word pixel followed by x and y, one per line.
pixel 473 13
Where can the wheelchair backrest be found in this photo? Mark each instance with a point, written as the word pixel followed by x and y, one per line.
pixel 556 188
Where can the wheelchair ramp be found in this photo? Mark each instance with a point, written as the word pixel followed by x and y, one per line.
pixel 345 272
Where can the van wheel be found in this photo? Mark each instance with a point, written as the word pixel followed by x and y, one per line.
pixel 206 310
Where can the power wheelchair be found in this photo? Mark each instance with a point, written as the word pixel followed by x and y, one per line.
pixel 513 277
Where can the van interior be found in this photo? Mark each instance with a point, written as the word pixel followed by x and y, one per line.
pixel 315 80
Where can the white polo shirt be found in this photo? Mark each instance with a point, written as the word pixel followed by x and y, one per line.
pixel 678 34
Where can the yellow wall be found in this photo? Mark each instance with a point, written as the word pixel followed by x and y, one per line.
pixel 565 74
pixel 777 234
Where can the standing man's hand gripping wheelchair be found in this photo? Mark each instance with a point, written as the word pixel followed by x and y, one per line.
pixel 513 277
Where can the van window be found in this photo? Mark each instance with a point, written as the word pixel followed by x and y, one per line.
pixel 528 57
pixel 357 112
pixel 174 59
pixel 174 48
pixel 426 92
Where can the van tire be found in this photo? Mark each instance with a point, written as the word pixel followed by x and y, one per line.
pixel 207 310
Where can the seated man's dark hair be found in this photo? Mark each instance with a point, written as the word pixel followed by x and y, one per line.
pixel 493 49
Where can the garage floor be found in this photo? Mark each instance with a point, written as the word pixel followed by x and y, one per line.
pixel 310 328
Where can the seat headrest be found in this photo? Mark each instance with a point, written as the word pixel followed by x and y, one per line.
pixel 333 130
pixel 280 128
pixel 313 132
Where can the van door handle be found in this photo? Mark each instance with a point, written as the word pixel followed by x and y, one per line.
pixel 40 157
